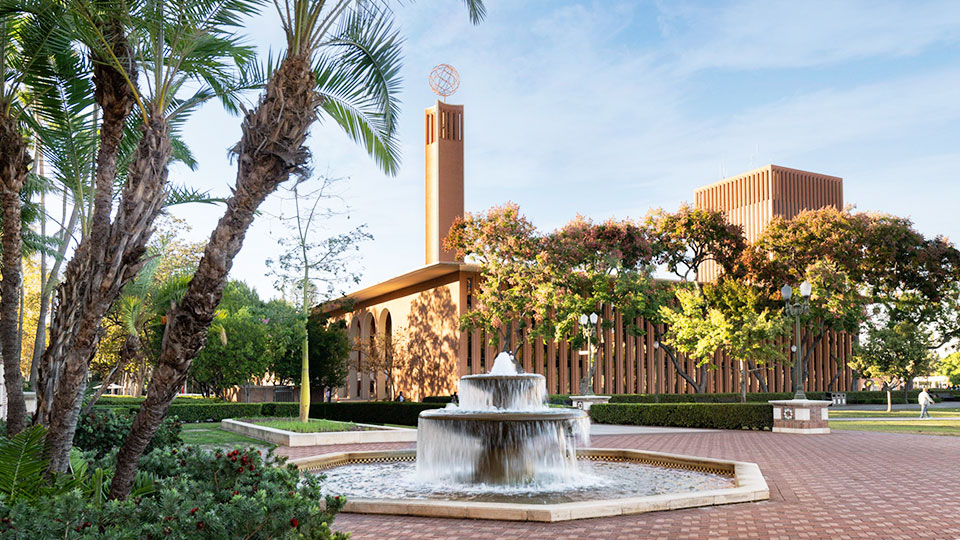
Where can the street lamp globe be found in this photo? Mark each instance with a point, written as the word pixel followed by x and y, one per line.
pixel 805 289
pixel 583 319
pixel 786 291
pixel 593 318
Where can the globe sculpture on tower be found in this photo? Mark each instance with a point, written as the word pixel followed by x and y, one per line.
pixel 444 80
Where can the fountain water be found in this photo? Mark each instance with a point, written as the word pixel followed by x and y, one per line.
pixel 502 433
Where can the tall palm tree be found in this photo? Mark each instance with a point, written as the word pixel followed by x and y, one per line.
pixel 27 39
pixel 178 45
pixel 340 62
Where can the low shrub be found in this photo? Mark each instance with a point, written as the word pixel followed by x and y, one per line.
pixel 104 430
pixel 559 399
pixel 213 412
pixel 196 494
pixel 692 415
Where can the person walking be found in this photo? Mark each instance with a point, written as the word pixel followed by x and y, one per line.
pixel 925 400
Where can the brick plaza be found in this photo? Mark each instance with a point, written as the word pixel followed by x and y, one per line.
pixel 845 485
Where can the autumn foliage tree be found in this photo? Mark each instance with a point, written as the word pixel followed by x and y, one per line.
pixel 510 299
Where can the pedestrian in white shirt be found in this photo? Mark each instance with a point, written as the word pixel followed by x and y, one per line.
pixel 925 400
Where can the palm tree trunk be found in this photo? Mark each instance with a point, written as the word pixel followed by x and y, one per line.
pixel 14 164
pixel 270 150
pixel 96 283
pixel 75 324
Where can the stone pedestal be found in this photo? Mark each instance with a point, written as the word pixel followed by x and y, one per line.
pixel 804 416
pixel 584 402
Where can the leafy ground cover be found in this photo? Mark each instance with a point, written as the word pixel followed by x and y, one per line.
pixel 922 427
pixel 315 425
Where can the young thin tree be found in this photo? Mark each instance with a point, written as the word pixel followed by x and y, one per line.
pixel 317 269
pixel 356 86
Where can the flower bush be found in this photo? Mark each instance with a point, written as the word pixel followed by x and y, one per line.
pixel 198 495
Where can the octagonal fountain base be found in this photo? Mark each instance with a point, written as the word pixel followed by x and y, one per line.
pixel 746 484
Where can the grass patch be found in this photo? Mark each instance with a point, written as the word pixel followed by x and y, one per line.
pixel 314 425
pixel 910 413
pixel 919 427
pixel 209 433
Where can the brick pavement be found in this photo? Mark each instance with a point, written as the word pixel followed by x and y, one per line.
pixel 845 485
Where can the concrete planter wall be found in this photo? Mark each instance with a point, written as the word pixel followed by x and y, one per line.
pixel 376 434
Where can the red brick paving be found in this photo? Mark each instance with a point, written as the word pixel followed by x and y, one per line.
pixel 845 485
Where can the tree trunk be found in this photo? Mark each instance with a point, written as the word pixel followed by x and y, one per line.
pixel 85 295
pixel 40 339
pixel 14 164
pixel 672 354
pixel 93 284
pixel 270 150
pixel 107 381
pixel 757 373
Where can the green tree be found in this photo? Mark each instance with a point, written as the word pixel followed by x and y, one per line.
pixel 355 85
pixel 950 368
pixel 330 348
pixel 894 352
pixel 728 316
pixel 236 351
pixel 684 241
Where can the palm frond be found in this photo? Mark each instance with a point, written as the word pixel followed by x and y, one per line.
pixel 359 81
pixel 22 465
pixel 476 9
pixel 187 195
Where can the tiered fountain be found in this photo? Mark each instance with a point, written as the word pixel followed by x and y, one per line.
pixel 502 433
pixel 502 453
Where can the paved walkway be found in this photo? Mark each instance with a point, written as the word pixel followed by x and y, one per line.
pixel 846 485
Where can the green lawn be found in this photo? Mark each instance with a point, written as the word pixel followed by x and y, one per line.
pixel 921 427
pixel 209 433
pixel 314 425
pixel 952 411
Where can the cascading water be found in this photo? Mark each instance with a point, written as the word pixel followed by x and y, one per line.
pixel 501 433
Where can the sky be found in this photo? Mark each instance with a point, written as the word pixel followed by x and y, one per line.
pixel 611 108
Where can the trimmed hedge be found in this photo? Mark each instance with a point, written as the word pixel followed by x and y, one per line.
pixel 129 400
pixel 438 399
pixel 365 412
pixel 692 415
pixel 192 413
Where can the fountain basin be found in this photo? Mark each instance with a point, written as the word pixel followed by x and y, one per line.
pixel 745 484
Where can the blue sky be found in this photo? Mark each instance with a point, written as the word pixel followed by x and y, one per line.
pixel 610 108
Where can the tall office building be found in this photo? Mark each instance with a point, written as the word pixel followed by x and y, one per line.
pixel 753 199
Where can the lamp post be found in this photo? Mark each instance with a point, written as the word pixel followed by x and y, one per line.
pixel 800 306
pixel 588 324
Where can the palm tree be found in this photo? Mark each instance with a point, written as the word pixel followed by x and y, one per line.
pixel 177 46
pixel 340 62
pixel 27 39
